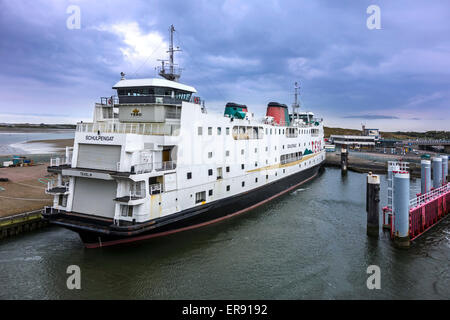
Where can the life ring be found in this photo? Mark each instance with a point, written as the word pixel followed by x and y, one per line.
pixel 109 101
pixel 196 100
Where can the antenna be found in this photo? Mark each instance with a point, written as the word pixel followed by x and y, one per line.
pixel 172 74
pixel 295 105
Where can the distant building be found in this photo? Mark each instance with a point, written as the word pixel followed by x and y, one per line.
pixel 368 140
pixel 371 132
pixel 363 142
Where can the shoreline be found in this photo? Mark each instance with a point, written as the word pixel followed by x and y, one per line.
pixel 365 162
pixel 36 147
pixel 4 130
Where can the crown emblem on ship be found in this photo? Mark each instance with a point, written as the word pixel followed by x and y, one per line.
pixel 136 112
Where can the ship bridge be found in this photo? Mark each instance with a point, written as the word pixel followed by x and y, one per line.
pixel 152 91
pixel 142 106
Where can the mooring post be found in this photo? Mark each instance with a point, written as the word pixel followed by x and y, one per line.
pixel 344 158
pixel 437 172
pixel 425 176
pixel 372 204
pixel 401 209
pixel 444 168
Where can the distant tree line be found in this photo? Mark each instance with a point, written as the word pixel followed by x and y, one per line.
pixel 400 135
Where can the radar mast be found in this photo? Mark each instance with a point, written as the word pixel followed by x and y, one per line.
pixel 172 73
pixel 295 105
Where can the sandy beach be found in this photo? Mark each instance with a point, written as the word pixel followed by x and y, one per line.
pixel 25 190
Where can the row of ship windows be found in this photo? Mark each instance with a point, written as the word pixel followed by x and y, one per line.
pixel 284 159
pixel 257 132
pixel 201 196
pixel 227 152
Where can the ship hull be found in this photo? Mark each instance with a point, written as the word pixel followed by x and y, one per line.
pixel 100 233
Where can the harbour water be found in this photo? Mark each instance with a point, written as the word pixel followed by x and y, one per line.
pixel 16 142
pixel 309 244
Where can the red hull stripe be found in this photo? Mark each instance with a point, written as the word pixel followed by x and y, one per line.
pixel 160 234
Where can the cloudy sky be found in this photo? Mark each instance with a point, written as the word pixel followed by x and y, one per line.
pixel 252 52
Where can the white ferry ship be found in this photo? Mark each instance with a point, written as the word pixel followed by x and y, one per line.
pixel 154 161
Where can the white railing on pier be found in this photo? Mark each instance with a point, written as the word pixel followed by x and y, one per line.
pixel 135 128
pixel 423 198
pixel 399 165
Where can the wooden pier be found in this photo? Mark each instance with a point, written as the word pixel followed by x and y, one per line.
pixel 19 223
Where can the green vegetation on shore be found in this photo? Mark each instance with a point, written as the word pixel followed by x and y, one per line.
pixel 37 126
pixel 392 135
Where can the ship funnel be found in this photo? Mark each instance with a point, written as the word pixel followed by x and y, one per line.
pixel 279 112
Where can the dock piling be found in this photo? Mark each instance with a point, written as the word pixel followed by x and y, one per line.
pixel 444 169
pixel 425 176
pixel 344 159
pixel 372 204
pixel 401 209
pixel 437 172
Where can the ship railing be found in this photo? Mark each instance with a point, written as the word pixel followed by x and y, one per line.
pixel 139 194
pixel 166 165
pixel 109 101
pixel 69 154
pixel 161 129
pixel 149 167
pixel 59 161
pixel 300 123
pixel 423 198
pixel 142 168
pixel 50 210
pixel 155 188
pixel 51 184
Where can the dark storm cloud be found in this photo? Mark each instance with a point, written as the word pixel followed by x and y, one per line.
pixel 370 116
pixel 246 51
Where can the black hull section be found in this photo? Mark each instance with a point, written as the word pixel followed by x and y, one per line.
pixel 104 233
